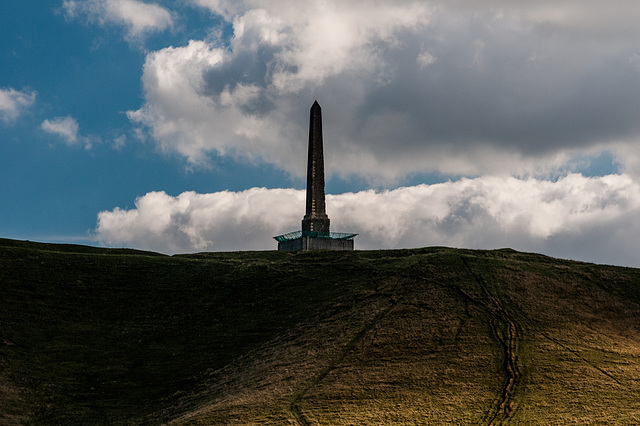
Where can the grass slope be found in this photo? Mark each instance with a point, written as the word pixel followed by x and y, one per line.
pixel 104 336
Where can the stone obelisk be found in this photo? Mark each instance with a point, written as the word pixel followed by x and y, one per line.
pixel 315 219
pixel 315 233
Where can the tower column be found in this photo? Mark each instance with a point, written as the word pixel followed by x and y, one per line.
pixel 315 219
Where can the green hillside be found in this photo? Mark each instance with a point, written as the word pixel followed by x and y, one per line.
pixel 434 335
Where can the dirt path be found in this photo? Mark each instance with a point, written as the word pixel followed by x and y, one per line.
pixel 507 333
pixel 294 410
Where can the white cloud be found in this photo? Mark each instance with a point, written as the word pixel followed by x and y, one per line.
pixel 13 103
pixel 225 8
pixel 64 127
pixel 67 129
pixel 245 101
pixel 119 142
pixel 460 87
pixel 590 219
pixel 190 222
pixel 138 17
pixel 425 59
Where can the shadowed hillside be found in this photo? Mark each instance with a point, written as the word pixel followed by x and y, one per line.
pixel 104 336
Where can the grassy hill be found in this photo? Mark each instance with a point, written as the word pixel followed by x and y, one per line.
pixel 109 336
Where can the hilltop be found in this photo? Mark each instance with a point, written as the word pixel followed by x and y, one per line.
pixel 439 335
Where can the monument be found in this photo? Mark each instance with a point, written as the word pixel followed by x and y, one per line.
pixel 315 233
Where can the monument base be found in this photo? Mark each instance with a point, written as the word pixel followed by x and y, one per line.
pixel 306 241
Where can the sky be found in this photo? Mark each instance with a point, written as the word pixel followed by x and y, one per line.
pixel 182 126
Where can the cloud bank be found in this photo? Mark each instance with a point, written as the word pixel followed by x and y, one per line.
pixel 458 87
pixel 574 217
pixel 14 103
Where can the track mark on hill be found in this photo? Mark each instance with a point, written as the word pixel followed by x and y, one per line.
pixel 293 408
pixel 591 364
pixel 507 333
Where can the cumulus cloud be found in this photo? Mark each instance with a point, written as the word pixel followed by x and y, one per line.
pixel 461 87
pixel 191 222
pixel 138 17
pixel 14 103
pixel 66 128
pixel 575 216
pixel 249 100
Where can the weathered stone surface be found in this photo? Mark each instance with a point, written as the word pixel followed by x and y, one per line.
pixel 312 243
pixel 315 219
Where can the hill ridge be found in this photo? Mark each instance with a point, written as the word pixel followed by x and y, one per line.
pixel 434 335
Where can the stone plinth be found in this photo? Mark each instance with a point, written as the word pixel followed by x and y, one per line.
pixel 301 240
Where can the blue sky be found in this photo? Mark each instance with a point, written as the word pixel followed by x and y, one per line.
pixel 181 126
pixel 52 192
